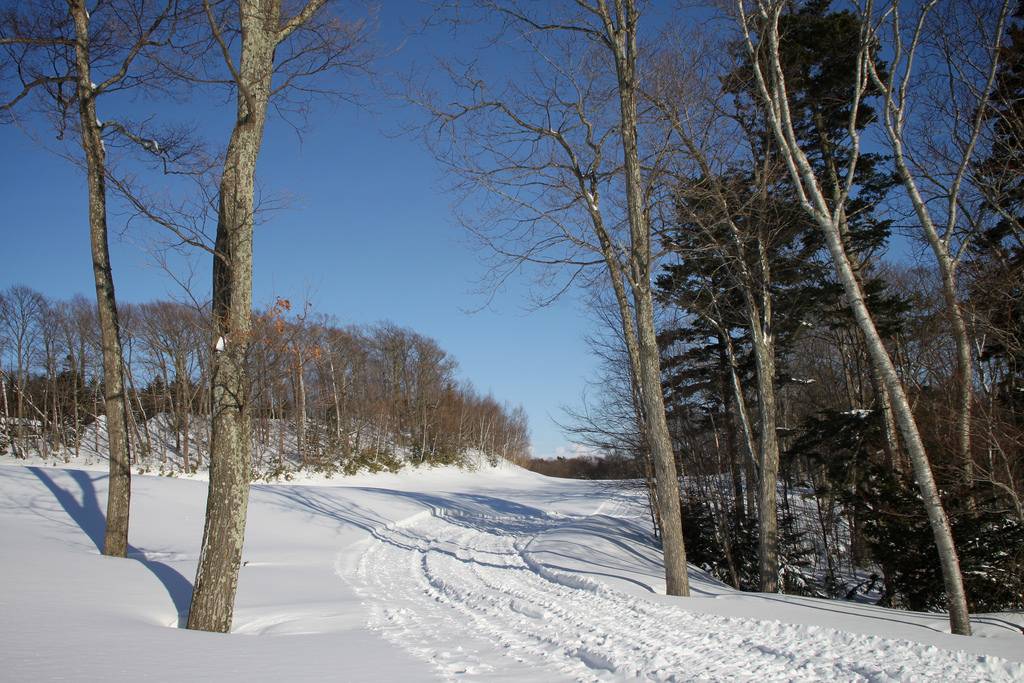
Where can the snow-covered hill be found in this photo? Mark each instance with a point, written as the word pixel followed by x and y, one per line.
pixel 429 573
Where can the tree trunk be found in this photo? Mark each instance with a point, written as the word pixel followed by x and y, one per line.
pixel 958 324
pixel 759 316
pixel 659 443
pixel 20 423
pixel 184 409
pixel 148 449
pixel 952 578
pixel 768 527
pixel 645 356
pixel 75 372
pixel 230 444
pixel 645 367
pixel 729 418
pixel 115 541
pixel 892 441
pixel 8 423
pixel 741 406
pixel 337 403
pixel 300 409
pixel 802 172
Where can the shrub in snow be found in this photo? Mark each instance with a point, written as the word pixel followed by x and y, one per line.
pixel 990 545
pixel 844 456
pixel 730 554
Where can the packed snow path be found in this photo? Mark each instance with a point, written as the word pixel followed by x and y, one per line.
pixel 453 587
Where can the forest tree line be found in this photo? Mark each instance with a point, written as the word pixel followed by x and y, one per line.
pixel 775 383
pixel 325 397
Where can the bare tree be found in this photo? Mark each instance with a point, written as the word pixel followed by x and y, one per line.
pixel 20 311
pixel 70 59
pixel 269 56
pixel 761 35
pixel 737 224
pixel 543 150
pixel 964 41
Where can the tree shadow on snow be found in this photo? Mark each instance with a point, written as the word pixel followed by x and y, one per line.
pixel 88 515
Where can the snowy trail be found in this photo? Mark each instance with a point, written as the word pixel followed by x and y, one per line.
pixel 460 590
pixel 497 574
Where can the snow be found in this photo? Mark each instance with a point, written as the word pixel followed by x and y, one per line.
pixel 426 574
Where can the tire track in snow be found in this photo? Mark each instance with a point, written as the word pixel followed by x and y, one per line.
pixel 462 592
pixel 412 613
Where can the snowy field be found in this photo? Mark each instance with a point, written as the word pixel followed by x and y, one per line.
pixel 499 574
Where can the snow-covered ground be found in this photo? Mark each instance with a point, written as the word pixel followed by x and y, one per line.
pixel 430 573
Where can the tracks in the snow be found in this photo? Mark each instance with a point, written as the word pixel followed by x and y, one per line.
pixel 460 589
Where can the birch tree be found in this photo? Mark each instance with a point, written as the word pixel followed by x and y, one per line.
pixel 759 24
pixel 962 44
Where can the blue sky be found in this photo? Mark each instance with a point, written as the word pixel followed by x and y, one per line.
pixel 369 236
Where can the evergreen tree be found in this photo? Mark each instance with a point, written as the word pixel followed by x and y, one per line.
pixel 745 244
